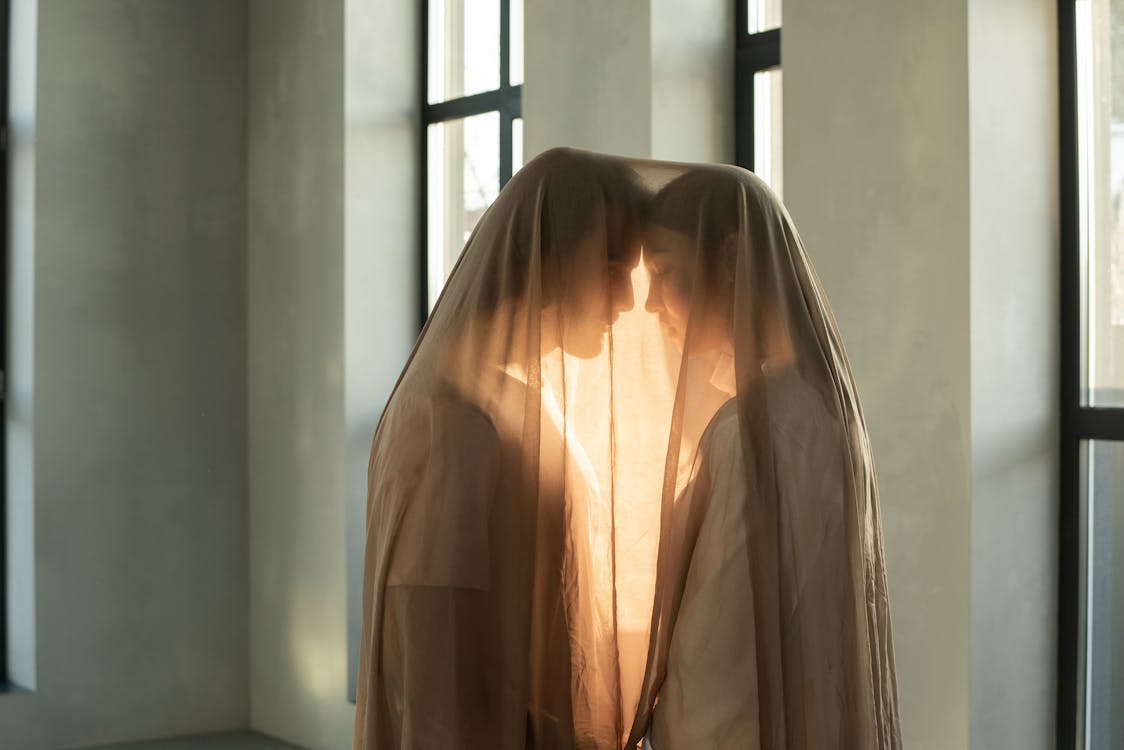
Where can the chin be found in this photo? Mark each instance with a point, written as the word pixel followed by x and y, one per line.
pixel 586 346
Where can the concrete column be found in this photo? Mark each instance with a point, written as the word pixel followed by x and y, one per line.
pixel 297 453
pixel 381 251
pixel 644 78
pixel 129 356
pixel 333 315
pixel 1014 366
pixel 920 153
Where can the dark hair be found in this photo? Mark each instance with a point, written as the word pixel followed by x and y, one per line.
pixel 703 205
pixel 569 194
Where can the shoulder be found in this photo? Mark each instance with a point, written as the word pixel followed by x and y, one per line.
pixel 440 410
pixel 722 428
pixel 720 444
pixel 800 412
pixel 441 423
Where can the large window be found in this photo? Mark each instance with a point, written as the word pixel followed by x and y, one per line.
pixel 5 25
pixel 471 117
pixel 757 110
pixel 1091 574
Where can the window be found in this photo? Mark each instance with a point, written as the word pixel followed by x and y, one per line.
pixel 1091 542
pixel 5 22
pixel 757 108
pixel 471 120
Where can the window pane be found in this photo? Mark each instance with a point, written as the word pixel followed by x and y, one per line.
pixel 763 15
pixel 464 48
pixel 463 180
pixel 1100 141
pixel 516 42
pixel 767 127
pixel 1102 499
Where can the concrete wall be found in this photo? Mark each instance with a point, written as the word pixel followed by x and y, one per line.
pixel 381 251
pixel 876 167
pixel 19 498
pixel 691 75
pixel 600 98
pixel 644 78
pixel 297 453
pixel 920 165
pixel 1014 312
pixel 138 378
pixel 161 352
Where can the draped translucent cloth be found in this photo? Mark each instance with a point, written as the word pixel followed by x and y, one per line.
pixel 623 490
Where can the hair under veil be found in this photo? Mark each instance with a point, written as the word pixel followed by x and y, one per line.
pixel 593 520
pixel 771 624
pixel 489 612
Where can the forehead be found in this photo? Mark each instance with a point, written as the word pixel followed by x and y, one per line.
pixel 625 247
pixel 659 240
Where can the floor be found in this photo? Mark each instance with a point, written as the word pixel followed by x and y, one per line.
pixel 227 741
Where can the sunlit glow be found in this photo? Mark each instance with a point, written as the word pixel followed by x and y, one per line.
pixel 763 15
pixel 767 127
pixel 316 658
pixel 516 76
pixel 1085 173
pixel 464 178
pixel 464 38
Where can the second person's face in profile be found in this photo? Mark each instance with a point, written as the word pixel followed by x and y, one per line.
pixel 674 269
pixel 598 290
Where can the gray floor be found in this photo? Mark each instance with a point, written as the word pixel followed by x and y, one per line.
pixel 228 741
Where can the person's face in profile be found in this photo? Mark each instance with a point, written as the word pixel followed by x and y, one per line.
pixel 670 257
pixel 598 291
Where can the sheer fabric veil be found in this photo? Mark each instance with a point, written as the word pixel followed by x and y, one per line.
pixel 623 487
pixel 771 623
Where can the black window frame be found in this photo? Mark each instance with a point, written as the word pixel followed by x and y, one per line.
pixel 1079 423
pixel 507 100
pixel 753 53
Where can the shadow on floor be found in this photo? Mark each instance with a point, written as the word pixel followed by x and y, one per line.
pixel 226 741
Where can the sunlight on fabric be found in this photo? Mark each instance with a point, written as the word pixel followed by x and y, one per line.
pixel 620 520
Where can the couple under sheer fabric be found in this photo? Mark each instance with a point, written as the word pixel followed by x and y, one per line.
pixel 623 492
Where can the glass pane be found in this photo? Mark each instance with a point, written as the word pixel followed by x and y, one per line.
pixel 1100 144
pixel 463 180
pixel 763 15
pixel 464 48
pixel 516 76
pixel 516 144
pixel 767 127
pixel 1102 691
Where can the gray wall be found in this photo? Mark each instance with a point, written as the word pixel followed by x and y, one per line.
pixel 1014 311
pixel 208 367
pixel 643 78
pixel 139 427
pixel 297 454
pixel 876 177
pixel 333 306
pixel 381 255
pixel 920 165
pixel 601 97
